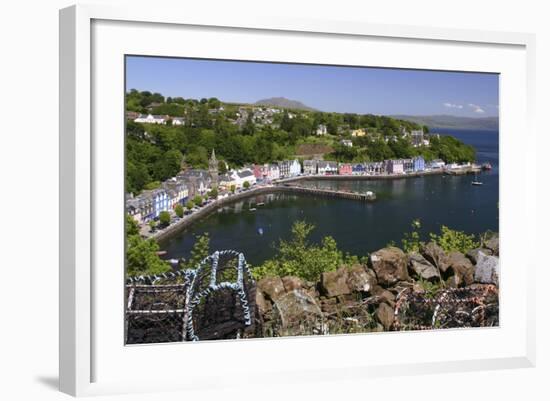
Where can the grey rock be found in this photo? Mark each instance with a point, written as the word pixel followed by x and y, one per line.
pixel 299 314
pixel 487 269
pixel 420 266
pixel 473 254
pixel 361 279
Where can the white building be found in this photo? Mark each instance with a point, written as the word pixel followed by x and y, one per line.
pixel 150 119
pixel 327 168
pixel 289 168
pixel 321 129
pixel 178 121
pixel 242 176
pixel 273 172
pixel 347 142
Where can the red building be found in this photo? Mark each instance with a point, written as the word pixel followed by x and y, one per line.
pixel 345 169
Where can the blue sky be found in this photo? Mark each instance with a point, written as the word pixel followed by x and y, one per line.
pixel 326 88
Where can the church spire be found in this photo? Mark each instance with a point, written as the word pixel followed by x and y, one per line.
pixel 213 168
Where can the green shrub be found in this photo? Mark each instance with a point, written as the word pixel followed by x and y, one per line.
pixel 164 218
pixel 411 241
pixel 453 240
pixel 297 257
pixel 142 258
pixel 179 210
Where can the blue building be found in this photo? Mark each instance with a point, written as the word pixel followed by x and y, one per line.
pixel 419 163
pixel 160 202
pixel 358 169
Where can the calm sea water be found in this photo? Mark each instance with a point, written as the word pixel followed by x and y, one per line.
pixel 358 227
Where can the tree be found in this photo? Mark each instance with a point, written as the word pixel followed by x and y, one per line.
pixel 179 210
pixel 152 225
pixel 199 252
pixel 132 227
pixel 233 188
pixel 246 185
pixel 189 205
pixel 164 218
pixel 222 167
pixel 213 193
pixel 197 200
pixel 286 122
pixel 142 257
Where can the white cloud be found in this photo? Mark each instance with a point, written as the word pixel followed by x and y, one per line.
pixel 452 105
pixel 476 108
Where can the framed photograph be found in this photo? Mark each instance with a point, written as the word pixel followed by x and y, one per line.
pixel 235 192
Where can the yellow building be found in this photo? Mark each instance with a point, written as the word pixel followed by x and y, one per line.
pixel 358 132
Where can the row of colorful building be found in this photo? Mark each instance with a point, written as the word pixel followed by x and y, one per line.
pixel 186 185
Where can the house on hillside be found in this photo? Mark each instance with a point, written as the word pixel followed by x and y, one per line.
pixel 151 119
pixel 359 132
pixel 347 142
pixel 321 130
pixel 417 138
pixel 178 121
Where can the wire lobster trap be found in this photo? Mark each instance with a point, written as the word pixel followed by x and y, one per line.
pixel 214 301
pixel 474 306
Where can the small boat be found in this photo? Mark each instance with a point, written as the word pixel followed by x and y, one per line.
pixel 476 182
pixel 261 231
pixel 252 209
pixel 486 166
pixel 260 204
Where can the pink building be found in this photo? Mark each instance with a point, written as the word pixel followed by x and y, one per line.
pixel 258 171
pixel 345 169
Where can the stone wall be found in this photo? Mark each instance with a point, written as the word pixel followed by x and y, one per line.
pixel 430 289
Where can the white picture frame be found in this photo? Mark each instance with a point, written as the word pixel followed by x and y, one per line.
pixel 91 362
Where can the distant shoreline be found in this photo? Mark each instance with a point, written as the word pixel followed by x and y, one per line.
pixel 280 187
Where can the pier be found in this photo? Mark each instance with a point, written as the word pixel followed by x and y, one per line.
pixel 366 197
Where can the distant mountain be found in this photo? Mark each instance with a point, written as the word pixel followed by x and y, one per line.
pixel 447 121
pixel 284 103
